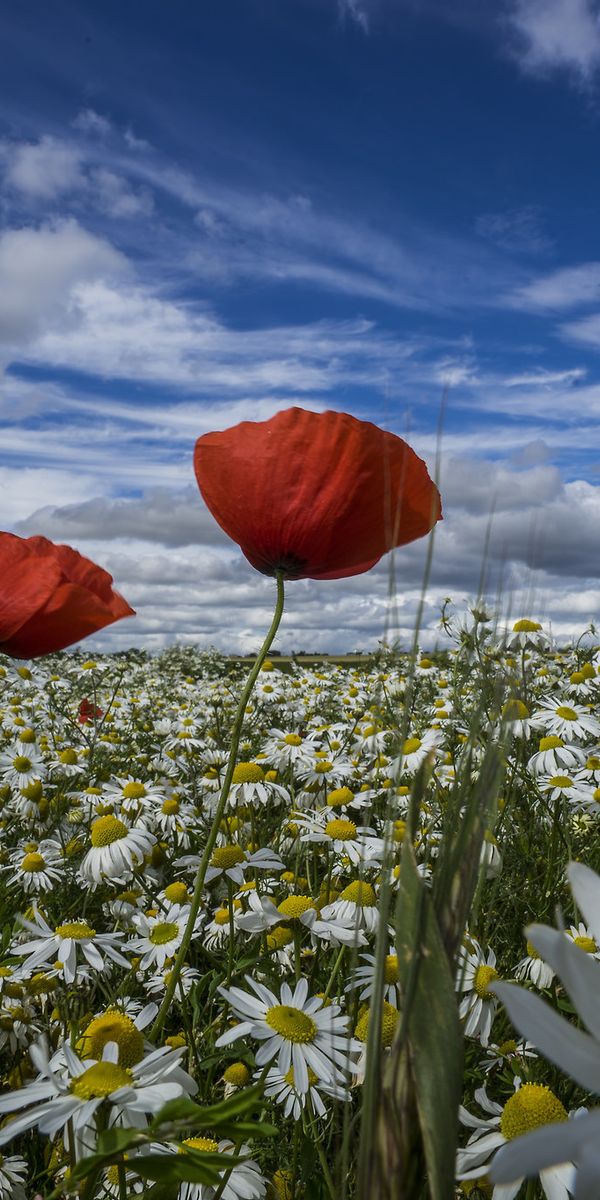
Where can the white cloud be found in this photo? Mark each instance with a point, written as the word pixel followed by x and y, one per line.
pixel 545 379
pixel 586 331
pixel 518 230
pixel 42 170
pixel 557 34
pixel 113 196
pixel 39 267
pixel 562 289
pixel 89 121
pixel 357 11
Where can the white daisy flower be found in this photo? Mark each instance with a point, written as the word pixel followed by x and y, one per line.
pixel 554 757
pixel 526 632
pixel 36 866
pixel 414 752
pixel 285 749
pixel 297 1031
pixel 566 720
pixel 65 943
pixel 231 861
pixel 68 1093
pixel 511 1054
pixel 531 1106
pixel 244 1182
pixel 116 850
pixel 363 977
pixel 357 905
pixel 13 1175
pixel 250 786
pixel 159 937
pixel 574 1050
pixel 282 1090
pixel 534 968
pixel 355 843
pixel 476 972
pixel 19 768
pixel 132 797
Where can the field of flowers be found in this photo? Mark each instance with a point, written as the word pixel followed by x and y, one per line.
pixel 236 1039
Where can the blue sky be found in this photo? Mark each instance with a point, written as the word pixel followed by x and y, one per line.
pixel 210 212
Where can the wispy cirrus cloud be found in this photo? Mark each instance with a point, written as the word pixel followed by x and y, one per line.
pixel 567 287
pixel 555 35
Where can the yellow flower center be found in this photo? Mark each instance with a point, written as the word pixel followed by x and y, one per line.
pixel 68 757
pixel 593 763
pixel 391 968
pixel 237 1074
pixel 342 831
pixel 515 710
pixel 566 713
pixel 323 767
pixel 208 1145
pixel 248 772
pixel 134 791
pixel 292 739
pixel 411 745
pixel 112 1026
pixel 221 916
pixel 359 892
pixel 107 830
pixel 291 1023
pixel 27 736
pixel 531 950
pixel 227 856
pixel 389 1020
pixel 526 626
pixel 176 893
pixel 163 933
pixel 279 937
pixel 33 862
pixel 481 983
pixel 76 930
pixel 293 906
pixel 290 1078
pixel 100 1080
pixel 560 781
pixel 507 1047
pixel 339 797
pixel 531 1106
pixel 22 763
pixel 551 743
pixel 586 943
pixel 170 807
pixel 33 790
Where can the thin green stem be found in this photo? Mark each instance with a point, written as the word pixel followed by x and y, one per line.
pixel 218 817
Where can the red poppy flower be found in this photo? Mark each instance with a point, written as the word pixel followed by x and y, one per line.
pixel 317 495
pixel 51 596
pixel 88 712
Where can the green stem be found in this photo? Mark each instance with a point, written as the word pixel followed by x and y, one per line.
pixel 218 817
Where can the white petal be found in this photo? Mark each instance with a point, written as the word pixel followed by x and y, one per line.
pixel 569 1048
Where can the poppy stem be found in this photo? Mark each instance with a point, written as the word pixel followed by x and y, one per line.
pixel 218 817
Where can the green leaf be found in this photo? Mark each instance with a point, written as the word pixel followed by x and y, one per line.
pixel 116 1141
pixel 434 1030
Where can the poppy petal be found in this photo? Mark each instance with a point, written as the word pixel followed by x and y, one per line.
pixel 319 495
pixel 51 596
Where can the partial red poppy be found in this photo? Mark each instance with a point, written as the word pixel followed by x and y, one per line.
pixel 89 712
pixel 317 495
pixel 51 596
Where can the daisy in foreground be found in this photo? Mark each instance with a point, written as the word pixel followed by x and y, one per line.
pixel 572 1049
pixel 299 1032
pixel 532 1105
pixel 69 1092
